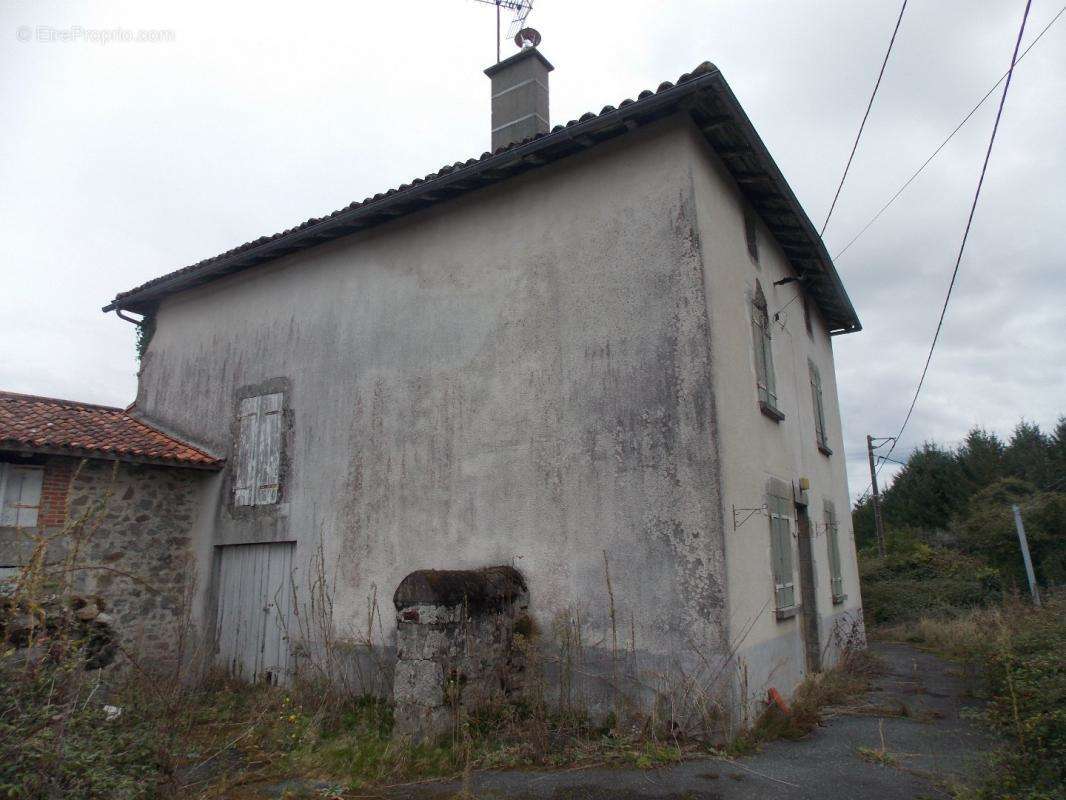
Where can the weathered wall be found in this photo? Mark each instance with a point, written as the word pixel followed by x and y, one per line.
pixel 754 448
pixel 135 527
pixel 518 376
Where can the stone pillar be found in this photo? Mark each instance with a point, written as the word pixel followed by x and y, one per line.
pixel 455 646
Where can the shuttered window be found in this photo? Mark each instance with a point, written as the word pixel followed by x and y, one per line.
pixel 779 508
pixel 20 492
pixel 258 450
pixel 836 578
pixel 764 354
pixel 819 409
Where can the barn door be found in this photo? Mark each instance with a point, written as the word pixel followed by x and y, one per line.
pixel 254 618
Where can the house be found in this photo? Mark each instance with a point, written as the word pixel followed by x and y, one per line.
pixel 601 351
pixel 124 493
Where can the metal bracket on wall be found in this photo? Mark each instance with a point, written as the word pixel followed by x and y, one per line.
pixel 748 514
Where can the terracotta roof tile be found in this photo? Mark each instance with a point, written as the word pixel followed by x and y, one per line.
pixel 45 423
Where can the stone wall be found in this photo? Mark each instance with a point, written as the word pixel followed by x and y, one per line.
pixel 455 645
pixel 134 522
pixel 141 549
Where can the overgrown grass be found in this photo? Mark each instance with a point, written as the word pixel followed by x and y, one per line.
pixel 1020 652
pixel 269 733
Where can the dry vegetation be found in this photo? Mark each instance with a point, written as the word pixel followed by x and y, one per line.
pixel 195 736
pixel 1018 653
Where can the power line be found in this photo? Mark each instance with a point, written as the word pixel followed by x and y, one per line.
pixel 958 127
pixel 865 116
pixel 966 232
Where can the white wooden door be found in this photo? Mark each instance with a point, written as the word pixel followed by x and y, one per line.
pixel 255 603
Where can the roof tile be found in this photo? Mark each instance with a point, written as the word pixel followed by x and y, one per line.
pixel 31 422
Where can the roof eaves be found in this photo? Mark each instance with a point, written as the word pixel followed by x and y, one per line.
pixel 24 446
pixel 561 141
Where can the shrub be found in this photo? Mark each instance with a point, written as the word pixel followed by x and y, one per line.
pixel 56 739
pixel 1021 653
pixel 916 579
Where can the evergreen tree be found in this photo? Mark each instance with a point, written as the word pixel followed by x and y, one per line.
pixel 981 458
pixel 1027 456
pixel 1057 455
pixel 928 491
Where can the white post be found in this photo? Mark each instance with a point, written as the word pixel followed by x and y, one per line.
pixel 1025 555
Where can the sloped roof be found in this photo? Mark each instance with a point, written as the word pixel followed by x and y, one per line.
pixel 45 424
pixel 703 93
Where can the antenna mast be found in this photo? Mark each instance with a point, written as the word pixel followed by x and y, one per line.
pixel 521 10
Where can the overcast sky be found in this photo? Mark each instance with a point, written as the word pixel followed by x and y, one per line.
pixel 122 161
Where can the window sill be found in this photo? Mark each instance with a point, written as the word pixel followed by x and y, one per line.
pixel 839 599
pixel 786 613
pixel 825 451
pixel 771 412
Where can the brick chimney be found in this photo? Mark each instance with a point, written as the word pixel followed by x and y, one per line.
pixel 519 97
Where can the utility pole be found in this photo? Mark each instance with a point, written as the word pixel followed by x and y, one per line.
pixel 879 524
pixel 1020 527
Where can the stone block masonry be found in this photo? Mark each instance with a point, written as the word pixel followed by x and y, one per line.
pixel 455 646
pixel 138 556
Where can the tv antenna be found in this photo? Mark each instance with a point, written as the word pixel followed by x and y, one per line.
pixel 521 10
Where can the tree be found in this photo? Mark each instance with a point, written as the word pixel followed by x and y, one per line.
pixel 981 458
pixel 1027 456
pixel 928 491
pixel 1057 453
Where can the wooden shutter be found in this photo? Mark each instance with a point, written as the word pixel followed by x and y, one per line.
pixel 268 449
pixel 247 452
pixel 20 491
pixel 771 380
pixel 258 450
pixel 760 354
pixel 764 354
pixel 833 543
pixel 778 502
pixel 816 403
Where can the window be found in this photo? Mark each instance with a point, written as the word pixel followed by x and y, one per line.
pixel 20 494
pixel 751 232
pixel 836 579
pixel 819 410
pixel 258 450
pixel 764 356
pixel 779 508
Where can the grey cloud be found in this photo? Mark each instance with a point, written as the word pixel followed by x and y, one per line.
pixel 122 162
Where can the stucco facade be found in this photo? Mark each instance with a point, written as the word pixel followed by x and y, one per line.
pixel 553 372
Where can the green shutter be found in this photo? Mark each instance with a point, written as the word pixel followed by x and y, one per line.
pixel 779 509
pixel 764 353
pixel 833 543
pixel 771 380
pixel 816 404
pixel 760 355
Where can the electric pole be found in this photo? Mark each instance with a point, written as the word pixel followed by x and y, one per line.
pixel 879 525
